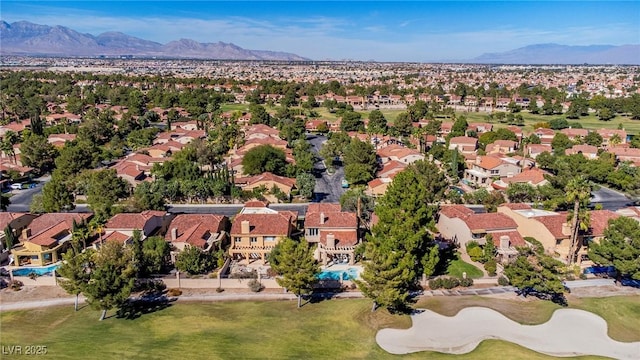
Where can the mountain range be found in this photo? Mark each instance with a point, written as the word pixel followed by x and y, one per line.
pixel 564 54
pixel 25 38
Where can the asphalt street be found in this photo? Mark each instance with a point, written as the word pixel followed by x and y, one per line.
pixel 21 199
pixel 328 187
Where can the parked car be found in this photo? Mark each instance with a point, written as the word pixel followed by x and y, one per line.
pixel 16 186
pixel 345 184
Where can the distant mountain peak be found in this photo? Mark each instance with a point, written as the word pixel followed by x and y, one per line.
pixel 26 38
pixel 551 53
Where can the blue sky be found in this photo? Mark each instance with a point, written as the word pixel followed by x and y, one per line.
pixel 360 30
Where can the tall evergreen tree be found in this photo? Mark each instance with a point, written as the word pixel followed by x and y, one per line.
pixel 74 272
pixel 112 278
pixel 619 248
pixel 296 266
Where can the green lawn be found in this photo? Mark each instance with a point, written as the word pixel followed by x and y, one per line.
pixel 457 267
pixel 335 329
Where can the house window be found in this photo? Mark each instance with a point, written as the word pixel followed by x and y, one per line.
pixel 495 172
pixel 269 238
pixel 253 240
pixel 313 232
pixel 237 239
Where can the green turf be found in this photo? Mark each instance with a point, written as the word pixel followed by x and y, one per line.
pixel 457 267
pixel 335 329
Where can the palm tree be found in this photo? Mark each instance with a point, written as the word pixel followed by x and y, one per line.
pixel 80 233
pixel 578 191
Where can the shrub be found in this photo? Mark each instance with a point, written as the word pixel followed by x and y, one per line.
pixel 475 253
pixel 16 285
pixel 254 285
pixel 471 245
pixel 491 267
pixel 219 290
pixel 583 276
pixel 33 276
pixel 435 284
pixel 466 282
pixel 213 275
pixel 450 282
pixel 503 281
pixel 174 292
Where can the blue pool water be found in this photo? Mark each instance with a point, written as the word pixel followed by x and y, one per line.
pixel 25 271
pixel 348 274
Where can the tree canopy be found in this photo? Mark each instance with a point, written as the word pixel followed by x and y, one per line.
pixel 620 247
pixel 297 268
pixel 264 158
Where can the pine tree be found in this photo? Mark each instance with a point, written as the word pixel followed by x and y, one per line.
pixel 296 266
pixel 112 278
pixel 74 272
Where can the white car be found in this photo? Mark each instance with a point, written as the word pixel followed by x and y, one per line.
pixel 16 186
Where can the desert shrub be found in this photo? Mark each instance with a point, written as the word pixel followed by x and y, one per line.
pixel 450 282
pixel 213 275
pixel 435 283
pixel 16 285
pixel 583 276
pixel 466 282
pixel 476 253
pixel 491 267
pixel 254 285
pixel 174 292
pixel 503 281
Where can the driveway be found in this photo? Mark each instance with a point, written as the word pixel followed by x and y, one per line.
pixel 328 187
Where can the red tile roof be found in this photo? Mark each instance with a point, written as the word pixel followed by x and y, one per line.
pixel 534 176
pixel 517 206
pixel 599 220
pixel 279 224
pixel 7 217
pixel 333 217
pixel 50 236
pixel 45 221
pixel 515 239
pixel 554 224
pixel 133 220
pixel 455 211
pixel 194 229
pixel 489 221
pixel 115 236
pixel 343 238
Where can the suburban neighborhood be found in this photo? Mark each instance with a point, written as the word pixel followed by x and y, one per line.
pixel 392 182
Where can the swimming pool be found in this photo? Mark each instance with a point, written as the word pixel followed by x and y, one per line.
pixel 347 274
pixel 41 270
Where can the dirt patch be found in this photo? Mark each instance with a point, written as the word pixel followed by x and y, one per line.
pixel 603 291
pixel 32 293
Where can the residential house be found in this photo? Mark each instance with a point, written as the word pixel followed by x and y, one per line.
pixel 575 134
pixel 59 140
pixel 532 176
pixel 489 167
pixel 462 225
pixel 612 137
pixel 46 238
pixel 590 152
pixel 18 222
pixel 553 229
pixel 501 147
pixel 270 182
pixel 149 222
pixel 399 153
pixel 335 231
pixel 258 229
pixel 626 154
pixel 464 144
pixel 545 135
pixel 533 150
pixel 204 231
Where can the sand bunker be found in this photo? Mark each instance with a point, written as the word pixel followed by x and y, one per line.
pixel 569 332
